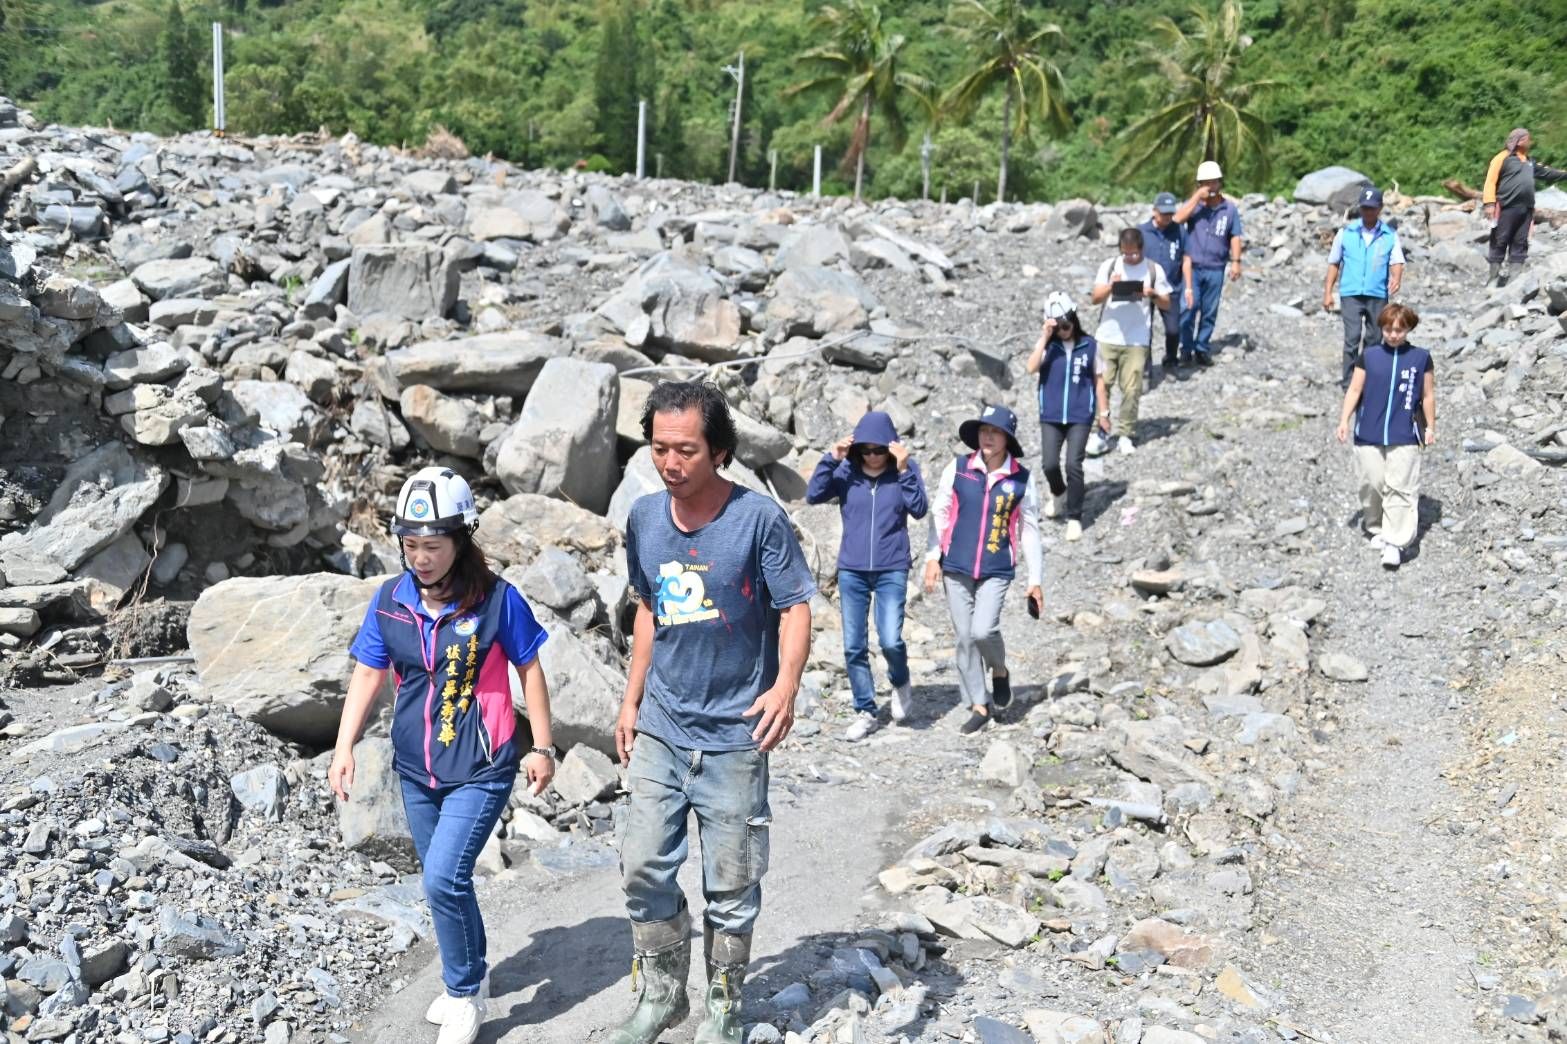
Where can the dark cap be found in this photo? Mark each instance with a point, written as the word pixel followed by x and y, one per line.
pixel 997 417
pixel 1166 203
pixel 1371 196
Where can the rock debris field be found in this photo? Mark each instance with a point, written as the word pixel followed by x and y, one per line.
pixel 1254 788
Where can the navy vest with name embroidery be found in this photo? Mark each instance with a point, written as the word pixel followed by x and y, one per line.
pixel 1066 382
pixel 1392 396
pixel 982 524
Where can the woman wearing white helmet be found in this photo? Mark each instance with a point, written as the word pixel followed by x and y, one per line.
pixel 451 632
pixel 1071 397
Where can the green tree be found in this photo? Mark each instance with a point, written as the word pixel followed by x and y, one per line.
pixel 618 86
pixel 1205 106
pixel 179 105
pixel 1005 50
pixel 861 67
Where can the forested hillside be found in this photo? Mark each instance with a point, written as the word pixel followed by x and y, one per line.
pixel 1404 90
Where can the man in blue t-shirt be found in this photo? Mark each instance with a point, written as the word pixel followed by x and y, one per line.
pixel 1213 240
pixel 1164 243
pixel 722 631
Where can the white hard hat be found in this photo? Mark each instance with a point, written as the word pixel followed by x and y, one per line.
pixel 1208 170
pixel 436 501
pixel 1058 304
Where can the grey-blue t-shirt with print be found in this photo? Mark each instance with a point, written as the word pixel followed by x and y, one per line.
pixel 716 594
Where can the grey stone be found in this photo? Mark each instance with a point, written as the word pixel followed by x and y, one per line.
pixel 429 183
pixel 329 290
pixel 607 211
pixel 261 789
pixel 563 444
pixel 1327 184
pixel 993 1031
pixel 1200 643
pixel 372 821
pixel 195 937
pixel 448 424
pixel 313 375
pixel 1342 667
pixel 177 277
pixel 509 529
pixel 155 363
pixel 275 405
pixel 1004 763
pixel 585 690
pixel 411 280
pixel 374 422
pixel 24 623
pixel 498 364
pixel 818 302
pixel 1072 218
pixel 104 961
pixel 557 580
pixel 175 312
pixel 586 775
pixel 811 245
pixel 49 974
pixel 760 443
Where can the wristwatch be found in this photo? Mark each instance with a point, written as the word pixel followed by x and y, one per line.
pixel 548 752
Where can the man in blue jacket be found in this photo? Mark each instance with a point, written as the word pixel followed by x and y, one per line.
pixel 1367 264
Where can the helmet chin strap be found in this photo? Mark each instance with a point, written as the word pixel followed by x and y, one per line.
pixel 461 537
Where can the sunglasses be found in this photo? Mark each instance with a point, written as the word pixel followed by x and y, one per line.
pixel 874 451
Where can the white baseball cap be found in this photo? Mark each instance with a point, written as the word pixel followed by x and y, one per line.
pixel 1058 304
pixel 1208 170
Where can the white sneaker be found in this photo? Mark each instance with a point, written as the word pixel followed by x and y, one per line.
pixel 1376 540
pixel 1055 505
pixel 464 1015
pixel 1124 444
pixel 438 1009
pixel 1098 444
pixel 1392 557
pixel 902 698
pixel 1074 530
pixel 864 724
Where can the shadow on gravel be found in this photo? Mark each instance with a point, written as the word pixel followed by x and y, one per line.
pixel 835 951
pixel 1152 429
pixel 931 704
pixel 1429 513
pixel 1099 498
pixel 567 965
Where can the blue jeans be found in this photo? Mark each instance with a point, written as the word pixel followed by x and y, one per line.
pixel 728 792
pixel 855 590
pixel 450 826
pixel 1207 288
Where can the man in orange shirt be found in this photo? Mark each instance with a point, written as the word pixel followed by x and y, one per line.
pixel 1509 202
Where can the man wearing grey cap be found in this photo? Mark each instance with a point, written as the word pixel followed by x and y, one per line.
pixel 1164 243
pixel 1367 264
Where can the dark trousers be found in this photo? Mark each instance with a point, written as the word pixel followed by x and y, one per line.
pixel 1172 325
pixel 1075 436
pixel 1510 237
pixel 1360 328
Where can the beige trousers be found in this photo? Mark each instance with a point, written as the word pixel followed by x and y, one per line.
pixel 1124 366
pixel 1389 491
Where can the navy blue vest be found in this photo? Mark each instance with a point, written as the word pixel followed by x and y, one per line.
pixel 1391 399
pixel 453 721
pixel 1066 382
pixel 982 524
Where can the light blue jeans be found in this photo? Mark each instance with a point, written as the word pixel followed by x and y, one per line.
pixel 1197 322
pixel 728 792
pixel 890 588
pixel 450 826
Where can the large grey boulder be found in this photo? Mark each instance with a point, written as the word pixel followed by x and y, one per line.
pixel 178 277
pixel 448 424
pixel 563 444
pixel 585 691
pixel 275 405
pixel 410 280
pixel 372 821
pixel 275 649
pixel 607 211
pixel 524 214
pixel 816 302
pixel 1328 184
pixel 661 277
pixel 499 363
pixel 99 499
pixel 1202 643
pixel 703 326
pixel 328 291
pixel 511 530
pixel 1072 218
pixel 810 246
pixel 638 480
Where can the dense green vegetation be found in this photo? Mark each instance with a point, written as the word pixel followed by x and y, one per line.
pixel 1405 90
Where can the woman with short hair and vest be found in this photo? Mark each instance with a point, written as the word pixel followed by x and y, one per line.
pixel 451 632
pixel 1072 396
pixel 984 507
pixel 1392 397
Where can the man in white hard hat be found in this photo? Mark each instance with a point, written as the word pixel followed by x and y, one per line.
pixel 1213 241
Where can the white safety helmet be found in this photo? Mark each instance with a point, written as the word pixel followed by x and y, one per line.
pixel 1058 304
pixel 435 502
pixel 1208 170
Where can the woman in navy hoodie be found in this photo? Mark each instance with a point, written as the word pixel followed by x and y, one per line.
pixel 878 489
pixel 1072 398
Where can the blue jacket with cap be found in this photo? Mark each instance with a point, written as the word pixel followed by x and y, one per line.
pixel 875 509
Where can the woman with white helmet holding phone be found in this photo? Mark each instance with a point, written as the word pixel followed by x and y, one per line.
pixel 1072 397
pixel 451 632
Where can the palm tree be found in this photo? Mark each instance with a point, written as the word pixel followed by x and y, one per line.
pixel 1006 50
pixel 1204 109
pixel 861 66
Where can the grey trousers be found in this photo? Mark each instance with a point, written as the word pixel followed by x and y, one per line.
pixel 976 621
pixel 1360 318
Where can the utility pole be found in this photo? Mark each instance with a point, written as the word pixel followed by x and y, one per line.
pixel 772 171
pixel 641 136
pixel 816 172
pixel 219 123
pixel 926 150
pixel 738 72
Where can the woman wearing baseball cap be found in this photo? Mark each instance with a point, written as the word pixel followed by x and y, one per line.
pixel 985 506
pixel 451 632
pixel 1072 396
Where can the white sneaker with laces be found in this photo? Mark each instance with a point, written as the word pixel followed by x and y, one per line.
pixel 1074 530
pixel 464 1016
pixel 1124 444
pixel 864 724
pixel 1055 505
pixel 1392 557
pixel 438 1007
pixel 902 698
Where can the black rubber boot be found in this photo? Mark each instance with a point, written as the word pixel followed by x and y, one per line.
pixel 662 961
pixel 727 959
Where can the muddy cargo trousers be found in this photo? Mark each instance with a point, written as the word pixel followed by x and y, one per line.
pixel 728 792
